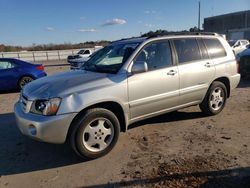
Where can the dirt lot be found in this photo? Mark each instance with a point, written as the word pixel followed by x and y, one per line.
pixel 180 149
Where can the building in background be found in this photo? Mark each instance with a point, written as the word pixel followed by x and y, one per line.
pixel 234 25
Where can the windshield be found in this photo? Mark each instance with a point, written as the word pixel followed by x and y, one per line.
pixel 111 58
pixel 232 42
pixel 81 52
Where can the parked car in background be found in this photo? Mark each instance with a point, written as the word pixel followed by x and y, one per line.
pixel 128 81
pixel 81 55
pixel 238 45
pixel 15 74
pixel 76 61
pixel 244 61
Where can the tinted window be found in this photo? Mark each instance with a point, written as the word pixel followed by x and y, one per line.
pixel 187 50
pixel 87 52
pixel 231 43
pixel 81 52
pixel 215 48
pixel 6 65
pixel 203 49
pixel 157 55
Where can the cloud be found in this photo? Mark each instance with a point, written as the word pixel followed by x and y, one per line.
pixel 87 30
pixel 115 21
pixel 50 29
pixel 149 25
pixel 82 18
pixel 150 12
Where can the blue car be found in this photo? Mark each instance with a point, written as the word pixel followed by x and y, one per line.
pixel 15 74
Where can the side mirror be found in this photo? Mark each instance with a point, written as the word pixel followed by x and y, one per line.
pixel 139 67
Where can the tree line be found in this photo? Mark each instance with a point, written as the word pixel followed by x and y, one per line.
pixel 47 47
pixel 88 44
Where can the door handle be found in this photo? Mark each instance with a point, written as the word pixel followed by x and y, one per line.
pixel 208 64
pixel 172 73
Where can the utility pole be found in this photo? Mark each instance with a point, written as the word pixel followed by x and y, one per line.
pixel 199 16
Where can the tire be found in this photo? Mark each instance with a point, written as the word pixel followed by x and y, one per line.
pixel 94 133
pixel 23 81
pixel 215 99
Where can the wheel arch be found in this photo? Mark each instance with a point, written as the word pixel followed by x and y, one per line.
pixel 226 82
pixel 114 107
pixel 23 75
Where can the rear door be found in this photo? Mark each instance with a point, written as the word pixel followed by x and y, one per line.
pixel 196 69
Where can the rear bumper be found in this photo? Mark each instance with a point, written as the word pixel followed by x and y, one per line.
pixel 42 75
pixel 234 81
pixel 51 129
pixel 39 74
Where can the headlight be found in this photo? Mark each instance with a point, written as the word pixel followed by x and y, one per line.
pixel 46 107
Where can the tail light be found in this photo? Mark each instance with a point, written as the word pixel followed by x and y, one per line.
pixel 40 67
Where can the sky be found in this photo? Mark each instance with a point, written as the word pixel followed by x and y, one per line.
pixel 28 22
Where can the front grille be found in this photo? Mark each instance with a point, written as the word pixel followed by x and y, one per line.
pixel 70 57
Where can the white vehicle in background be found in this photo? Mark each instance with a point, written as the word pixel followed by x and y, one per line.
pixel 76 61
pixel 238 45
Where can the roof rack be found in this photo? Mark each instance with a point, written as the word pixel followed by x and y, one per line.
pixel 129 38
pixel 183 33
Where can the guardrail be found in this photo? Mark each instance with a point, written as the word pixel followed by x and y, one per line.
pixel 39 55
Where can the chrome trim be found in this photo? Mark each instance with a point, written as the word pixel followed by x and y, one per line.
pixel 26 103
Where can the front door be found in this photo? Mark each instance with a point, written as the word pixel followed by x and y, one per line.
pixel 156 90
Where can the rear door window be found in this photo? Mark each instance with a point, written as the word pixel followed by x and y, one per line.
pixel 215 48
pixel 187 49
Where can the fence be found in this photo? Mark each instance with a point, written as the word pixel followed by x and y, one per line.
pixel 39 55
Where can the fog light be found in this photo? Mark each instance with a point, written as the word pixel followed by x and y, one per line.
pixel 32 130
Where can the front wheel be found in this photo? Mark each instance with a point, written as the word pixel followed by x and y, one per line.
pixel 215 99
pixel 95 133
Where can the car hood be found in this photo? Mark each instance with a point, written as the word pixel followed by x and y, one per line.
pixel 63 84
pixel 246 52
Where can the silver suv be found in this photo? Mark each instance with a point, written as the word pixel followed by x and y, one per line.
pixel 125 82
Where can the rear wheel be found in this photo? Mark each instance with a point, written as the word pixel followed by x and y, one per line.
pixel 23 81
pixel 215 99
pixel 95 133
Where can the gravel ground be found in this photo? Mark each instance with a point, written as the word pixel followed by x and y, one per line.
pixel 179 149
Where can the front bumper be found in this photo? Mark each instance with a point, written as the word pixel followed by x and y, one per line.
pixel 51 129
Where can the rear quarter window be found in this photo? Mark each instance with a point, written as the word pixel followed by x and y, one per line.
pixel 215 48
